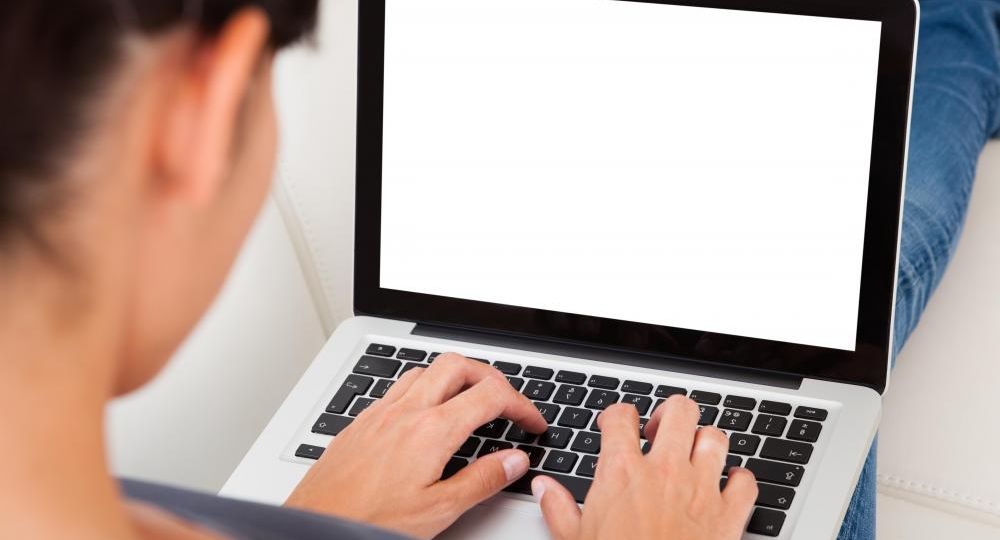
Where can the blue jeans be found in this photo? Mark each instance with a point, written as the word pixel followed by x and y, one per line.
pixel 955 112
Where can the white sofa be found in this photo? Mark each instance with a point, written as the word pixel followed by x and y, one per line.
pixel 938 474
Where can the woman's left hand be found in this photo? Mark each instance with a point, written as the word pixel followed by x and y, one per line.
pixel 385 468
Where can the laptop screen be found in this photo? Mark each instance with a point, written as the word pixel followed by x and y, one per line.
pixel 688 167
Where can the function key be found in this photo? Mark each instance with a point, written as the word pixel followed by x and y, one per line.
pixel 607 383
pixel 766 522
pixel 664 391
pixel 380 350
pixel 533 372
pixel 571 377
pixel 413 355
pixel 309 451
pixel 775 407
pixel 480 360
pixel 708 398
pixel 377 367
pixel 737 402
pixel 635 387
pixel 433 357
pixel 803 430
pixel 810 413
pixel 507 368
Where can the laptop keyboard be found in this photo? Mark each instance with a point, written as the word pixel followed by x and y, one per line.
pixel 772 439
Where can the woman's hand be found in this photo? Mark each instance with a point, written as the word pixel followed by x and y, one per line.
pixel 385 468
pixel 670 493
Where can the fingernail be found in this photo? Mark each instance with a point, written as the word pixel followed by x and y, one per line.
pixel 538 488
pixel 515 465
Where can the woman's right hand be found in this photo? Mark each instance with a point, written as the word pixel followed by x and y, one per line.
pixel 670 493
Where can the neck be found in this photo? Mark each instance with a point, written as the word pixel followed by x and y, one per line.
pixel 57 365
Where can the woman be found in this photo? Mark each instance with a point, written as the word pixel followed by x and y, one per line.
pixel 137 142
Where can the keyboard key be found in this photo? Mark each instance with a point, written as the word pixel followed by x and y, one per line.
pixel 766 522
pixel 588 466
pixel 407 366
pixel 607 383
pixel 519 435
pixel 570 377
pixel 380 350
pixel 354 385
pixel 535 454
pixel 642 403
pixel 783 450
pixel 577 486
pixel 360 405
pixel 740 443
pixel 539 390
pixel 309 451
pixel 480 360
pixel 560 462
pixel 548 410
pixel 646 447
pixel 663 391
pixel 735 420
pixel 774 472
pixel 494 429
pixel 732 461
pixel 601 399
pixel 542 373
pixel 328 424
pixel 411 355
pixel 587 442
pixel 737 402
pixel 810 413
pixel 507 368
pixel 575 418
pixel 775 407
pixel 491 446
pixel 635 387
pixel 469 447
pixel 381 388
pixel 767 424
pixel 568 394
pixel 516 382
pixel 708 398
pixel 708 415
pixel 378 367
pixel 453 466
pixel 775 496
pixel 433 357
pixel 803 430
pixel 556 437
pixel 642 427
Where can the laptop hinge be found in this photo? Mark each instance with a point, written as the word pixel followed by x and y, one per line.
pixel 614 356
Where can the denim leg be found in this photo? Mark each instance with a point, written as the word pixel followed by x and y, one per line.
pixel 955 111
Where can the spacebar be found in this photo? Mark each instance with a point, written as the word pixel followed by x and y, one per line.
pixel 577 486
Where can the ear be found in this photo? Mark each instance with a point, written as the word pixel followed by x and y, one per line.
pixel 202 116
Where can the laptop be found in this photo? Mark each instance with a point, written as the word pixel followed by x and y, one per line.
pixel 619 201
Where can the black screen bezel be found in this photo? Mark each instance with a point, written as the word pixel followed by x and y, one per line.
pixel 867 365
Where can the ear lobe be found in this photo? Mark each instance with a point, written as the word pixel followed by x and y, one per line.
pixel 203 116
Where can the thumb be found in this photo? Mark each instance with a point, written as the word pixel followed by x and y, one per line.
pixel 486 476
pixel 562 515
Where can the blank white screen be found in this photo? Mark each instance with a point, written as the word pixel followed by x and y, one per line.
pixel 688 167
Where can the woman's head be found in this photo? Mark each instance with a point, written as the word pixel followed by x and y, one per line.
pixel 137 141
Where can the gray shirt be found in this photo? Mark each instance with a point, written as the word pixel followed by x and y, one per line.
pixel 244 520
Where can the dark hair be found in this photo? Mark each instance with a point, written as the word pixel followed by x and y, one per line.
pixel 56 56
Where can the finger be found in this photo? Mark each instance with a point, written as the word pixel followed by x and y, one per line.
pixel 488 399
pixel 448 375
pixel 484 478
pixel 562 515
pixel 674 434
pixel 619 430
pixel 741 491
pixel 402 386
pixel 708 456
